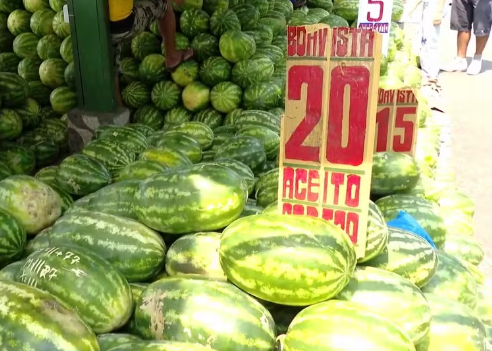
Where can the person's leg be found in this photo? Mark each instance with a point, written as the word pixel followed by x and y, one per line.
pixel 482 24
pixel 461 21
pixel 167 27
pixel 429 56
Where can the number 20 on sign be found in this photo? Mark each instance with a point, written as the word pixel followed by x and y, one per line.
pixel 327 136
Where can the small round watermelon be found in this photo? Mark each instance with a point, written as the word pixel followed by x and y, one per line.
pixel 214 70
pixel 66 50
pixel 129 69
pixel 248 16
pixel 14 89
pixel 8 61
pixel 236 46
pixel 69 75
pixel 20 160
pixel 18 22
pixel 185 73
pixel 63 99
pixel 247 72
pixel 60 27
pixel 166 95
pixel 10 124
pixel 196 96
pixel 144 44
pixel 152 69
pixel 29 68
pixel 136 94
pixel 175 116
pixel 205 45
pixel 262 96
pixel 51 72
pixel 149 115
pixel 226 97
pixel 193 22
pixel 57 5
pixel 40 92
pixel 25 45
pixel 223 20
pixel 42 22
pixel 29 112
pixel 35 5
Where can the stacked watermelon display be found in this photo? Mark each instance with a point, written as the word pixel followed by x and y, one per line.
pixel 163 235
pixel 36 83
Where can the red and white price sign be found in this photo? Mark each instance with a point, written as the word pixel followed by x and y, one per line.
pixel 327 133
pixel 397 121
pixel 376 15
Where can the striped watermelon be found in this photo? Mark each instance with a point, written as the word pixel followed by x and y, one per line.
pixel 152 69
pixel 47 175
pixel 465 248
pixel 214 70
pixel 25 45
pixel 453 281
pixel 150 116
pixel 34 204
pixel 240 168
pixel 425 212
pixel 29 69
pixel 226 97
pixel 4 171
pixel 256 118
pixel 19 159
pixel 210 117
pixel 165 95
pixel 211 203
pixel 10 271
pixel 142 128
pixel 57 130
pixel 407 255
pixel 113 155
pixel 183 143
pixel 44 148
pixel 135 250
pixel 110 340
pixel 14 88
pixel 66 50
pixel 196 96
pixel 103 299
pixel 42 22
pixel 127 136
pixel 18 22
pixel 241 313
pixel 245 149
pixel 136 94
pixel 52 72
pixel 35 5
pixel 60 27
pixel 166 156
pixel 393 172
pixel 8 61
pixel 175 116
pixel 246 72
pixel 69 75
pixel 185 73
pixel 116 199
pixel 193 22
pixel 223 20
pixel 341 325
pixel 454 326
pixel 51 324
pixel 310 259
pixel 198 131
pixel 29 112
pixel 10 124
pixel 382 291
pixel 377 233
pixel 270 139
pixel 66 199
pixel 140 170
pixel 12 238
pixel 195 254
pixel 40 241
pixel 144 44
pixel 81 175
pixel 63 99
pixel 40 92
pixel 49 47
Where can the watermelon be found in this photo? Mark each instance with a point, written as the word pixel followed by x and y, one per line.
pixel 126 136
pixel 263 240
pixel 109 341
pixel 223 20
pixel 262 96
pixel 12 238
pixel 66 50
pixel 236 46
pixel 166 95
pixel 143 129
pixel 195 254
pixel 393 172
pixel 454 326
pixel 136 94
pixel 210 6
pixel 41 240
pixel 176 115
pixel 245 149
pixel 152 69
pixel 57 5
pixel 452 200
pixel 63 99
pixel 10 124
pixel 464 248
pixel 183 143
pixel 29 112
pixel 205 45
pixel 69 75
pixel 20 160
pixel 185 73
pixel 193 22
pixel 115 199
pixel 248 16
pixel 60 27
pixel 243 314
pixel 129 69
pixel 104 307
pixel 28 69
pixel 347 9
pixel 9 62
pixel 328 325
pixel 14 89
pixel 138 254
pixel 182 43
pixel 81 175
pixel 407 255
pixel 47 175
pixel 226 96
pixel 56 129
pixel 4 171
pixel 270 139
pixel 216 184
pixel 140 170
pixel 10 271
pixel 42 22
pixel 18 22
pixel 198 131
pixel 144 44
pixel 240 168
pixel 52 71
pixel 45 150
pixel 276 22
pixel 47 314
pixel 25 45
pixel 210 117
pixel 49 47
pixel 6 41
pixel 34 204
pixel 150 116
pixel 262 34
pixel 246 72
pixel 113 155
pixel 382 291
pixel 425 212
pixel 166 156
pixel 196 96
pixel 35 5
pixel 214 70
pixel 40 92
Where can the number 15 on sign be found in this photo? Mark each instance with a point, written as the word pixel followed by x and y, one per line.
pixel 376 14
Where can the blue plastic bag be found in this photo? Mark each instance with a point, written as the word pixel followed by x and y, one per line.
pixel 407 222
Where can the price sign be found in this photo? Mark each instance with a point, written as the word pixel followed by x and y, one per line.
pixel 376 15
pixel 396 121
pixel 327 133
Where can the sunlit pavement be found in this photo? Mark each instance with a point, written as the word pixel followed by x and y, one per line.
pixel 468 102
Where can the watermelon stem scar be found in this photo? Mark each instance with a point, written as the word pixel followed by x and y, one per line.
pixel 153 305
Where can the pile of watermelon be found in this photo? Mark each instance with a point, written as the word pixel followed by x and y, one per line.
pixel 164 235
pixel 36 82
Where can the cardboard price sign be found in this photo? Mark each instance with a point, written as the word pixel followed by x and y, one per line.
pixel 327 133
pixel 397 121
pixel 376 15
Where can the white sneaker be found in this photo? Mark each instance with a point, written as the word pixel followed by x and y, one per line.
pixel 475 66
pixel 457 65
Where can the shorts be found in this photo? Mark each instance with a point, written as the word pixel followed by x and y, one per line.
pixel 468 14
pixel 145 12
